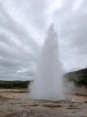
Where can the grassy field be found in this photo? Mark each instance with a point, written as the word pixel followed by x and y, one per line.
pixel 14 84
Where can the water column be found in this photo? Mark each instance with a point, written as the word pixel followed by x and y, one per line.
pixel 48 82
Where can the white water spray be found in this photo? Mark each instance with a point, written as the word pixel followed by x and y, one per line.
pixel 48 83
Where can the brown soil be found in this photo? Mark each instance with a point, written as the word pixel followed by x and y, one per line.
pixel 15 103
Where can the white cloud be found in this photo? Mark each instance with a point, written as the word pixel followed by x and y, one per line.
pixel 77 4
pixel 54 4
pixel 23 25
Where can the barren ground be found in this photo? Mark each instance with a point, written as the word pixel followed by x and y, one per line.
pixel 15 103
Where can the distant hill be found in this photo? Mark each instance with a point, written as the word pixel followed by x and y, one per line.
pixel 82 71
pixel 78 77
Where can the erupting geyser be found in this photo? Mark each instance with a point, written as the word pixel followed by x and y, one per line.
pixel 48 82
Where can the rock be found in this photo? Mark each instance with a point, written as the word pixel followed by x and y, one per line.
pixel 52 105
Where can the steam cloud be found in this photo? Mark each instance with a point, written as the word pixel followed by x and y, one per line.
pixel 48 83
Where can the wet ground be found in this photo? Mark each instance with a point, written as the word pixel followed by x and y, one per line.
pixel 14 104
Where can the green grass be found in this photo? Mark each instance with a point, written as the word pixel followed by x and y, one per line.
pixel 14 84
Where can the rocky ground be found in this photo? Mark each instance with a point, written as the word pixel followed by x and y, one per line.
pixel 15 103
